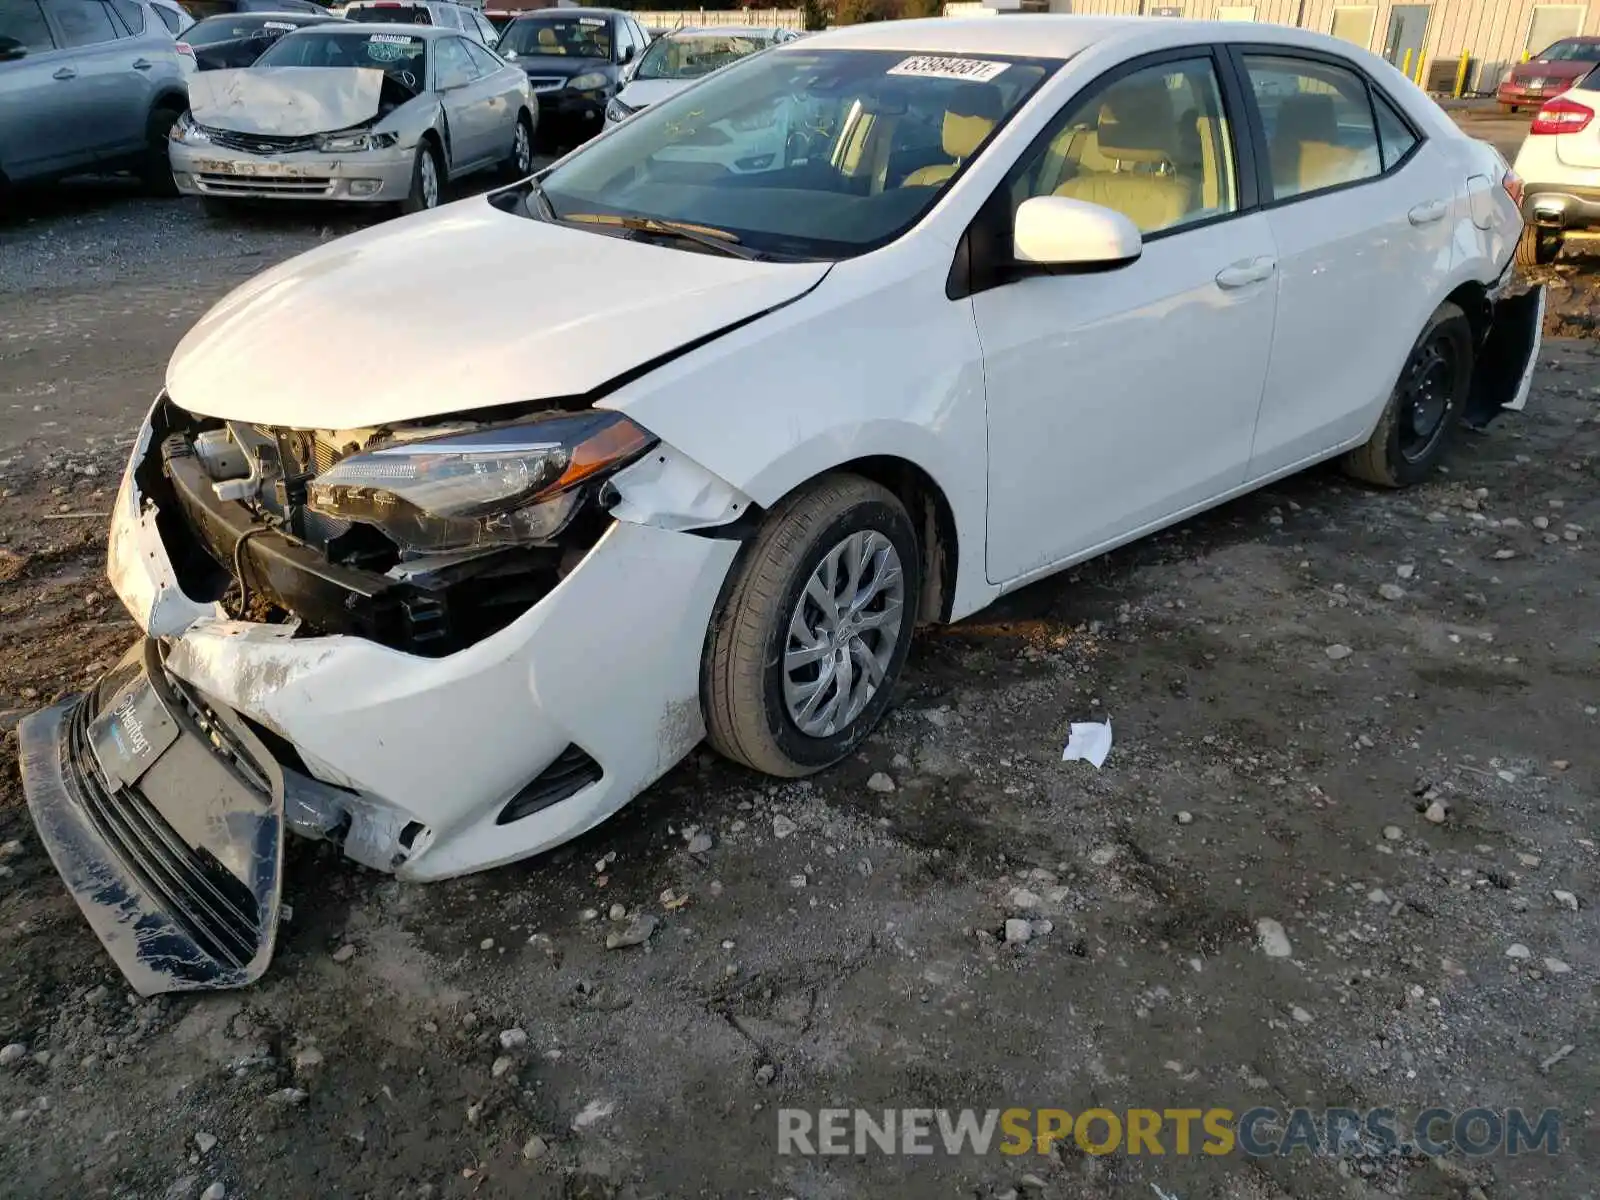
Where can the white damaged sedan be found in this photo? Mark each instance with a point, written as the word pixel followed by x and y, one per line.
pixel 450 537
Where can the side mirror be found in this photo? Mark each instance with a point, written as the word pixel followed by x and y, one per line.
pixel 627 54
pixel 11 49
pixel 1055 231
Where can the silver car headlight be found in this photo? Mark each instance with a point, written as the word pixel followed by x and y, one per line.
pixel 617 111
pixel 186 132
pixel 354 143
pixel 503 486
pixel 588 82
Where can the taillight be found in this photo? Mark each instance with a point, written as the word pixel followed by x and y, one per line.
pixel 1562 116
pixel 1512 182
pixel 185 48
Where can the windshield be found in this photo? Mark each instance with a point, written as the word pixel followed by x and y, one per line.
pixel 574 37
pixel 1572 51
pixel 231 28
pixel 691 55
pixel 811 154
pixel 397 55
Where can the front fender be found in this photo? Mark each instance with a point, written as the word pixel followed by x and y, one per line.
pixel 874 362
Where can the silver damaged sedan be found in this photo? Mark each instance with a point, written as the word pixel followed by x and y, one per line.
pixel 377 113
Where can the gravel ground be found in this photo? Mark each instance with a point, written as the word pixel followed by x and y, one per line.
pixel 1366 719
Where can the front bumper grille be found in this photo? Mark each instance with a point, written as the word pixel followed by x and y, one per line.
pixel 255 185
pixel 259 143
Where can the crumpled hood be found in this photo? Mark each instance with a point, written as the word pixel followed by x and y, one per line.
pixel 464 307
pixel 285 101
pixel 641 92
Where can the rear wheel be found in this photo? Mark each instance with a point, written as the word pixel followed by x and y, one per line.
pixel 1538 247
pixel 519 163
pixel 1419 424
pixel 426 181
pixel 813 628
pixel 156 171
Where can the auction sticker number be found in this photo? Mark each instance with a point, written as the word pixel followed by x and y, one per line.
pixel 933 66
pixel 392 39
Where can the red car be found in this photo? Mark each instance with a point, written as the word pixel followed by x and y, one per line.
pixel 1550 73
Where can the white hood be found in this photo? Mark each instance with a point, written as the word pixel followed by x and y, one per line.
pixel 641 92
pixel 464 307
pixel 285 101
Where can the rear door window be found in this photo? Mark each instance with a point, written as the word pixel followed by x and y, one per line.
pixel 132 15
pixel 1318 121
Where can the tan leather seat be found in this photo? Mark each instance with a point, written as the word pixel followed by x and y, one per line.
pixel 1306 154
pixel 1137 131
pixel 547 42
pixel 973 112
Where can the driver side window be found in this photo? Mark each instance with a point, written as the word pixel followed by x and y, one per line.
pixel 1154 145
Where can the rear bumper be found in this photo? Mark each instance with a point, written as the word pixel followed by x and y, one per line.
pixel 1509 93
pixel 1562 205
pixel 164 817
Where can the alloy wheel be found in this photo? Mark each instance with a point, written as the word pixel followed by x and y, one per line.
pixel 522 150
pixel 842 634
pixel 430 181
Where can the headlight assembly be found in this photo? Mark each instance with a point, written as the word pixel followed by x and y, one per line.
pixel 186 131
pixel 354 143
pixel 504 486
pixel 588 82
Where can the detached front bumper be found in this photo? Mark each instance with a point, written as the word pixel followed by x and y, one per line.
pixel 165 818
pixel 374 176
pixel 1502 374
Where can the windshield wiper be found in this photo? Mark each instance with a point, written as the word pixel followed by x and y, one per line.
pixel 707 236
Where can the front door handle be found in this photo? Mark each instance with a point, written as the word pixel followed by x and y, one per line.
pixel 1427 214
pixel 1243 274
pixel 64 73
pixel 142 64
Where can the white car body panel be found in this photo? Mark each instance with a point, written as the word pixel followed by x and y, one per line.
pixel 1561 171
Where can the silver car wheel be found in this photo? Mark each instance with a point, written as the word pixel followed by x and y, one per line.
pixel 430 181
pixel 522 149
pixel 843 633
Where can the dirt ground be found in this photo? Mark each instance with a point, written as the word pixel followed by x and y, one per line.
pixel 1406 811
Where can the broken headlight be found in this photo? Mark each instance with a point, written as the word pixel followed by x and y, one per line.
pixel 352 143
pixel 503 486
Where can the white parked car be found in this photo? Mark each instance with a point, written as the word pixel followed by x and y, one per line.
pixel 1560 167
pixel 675 60
pixel 451 536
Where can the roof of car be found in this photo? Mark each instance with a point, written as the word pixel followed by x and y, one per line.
pixel 727 30
pixel 570 12
pixel 1050 36
pixel 363 28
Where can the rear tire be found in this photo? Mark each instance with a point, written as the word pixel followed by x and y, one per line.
pixel 156 172
pixel 519 163
pixel 1419 423
pixel 1538 247
pixel 821 605
pixel 427 181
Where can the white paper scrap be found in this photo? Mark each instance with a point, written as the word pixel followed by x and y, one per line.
pixel 1089 740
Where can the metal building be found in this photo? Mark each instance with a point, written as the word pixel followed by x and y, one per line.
pixel 1428 39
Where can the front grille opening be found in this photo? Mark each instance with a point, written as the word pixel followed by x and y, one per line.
pixel 572 771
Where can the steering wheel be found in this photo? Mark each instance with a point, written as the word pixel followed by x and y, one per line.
pixel 407 78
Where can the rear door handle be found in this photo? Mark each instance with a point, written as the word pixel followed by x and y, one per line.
pixel 142 64
pixel 64 73
pixel 1243 274
pixel 1427 214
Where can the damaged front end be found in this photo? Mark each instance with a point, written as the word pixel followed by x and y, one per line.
pixel 383 637
pixel 423 537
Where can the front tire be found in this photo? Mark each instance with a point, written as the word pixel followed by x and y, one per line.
pixel 813 628
pixel 156 171
pixel 1424 409
pixel 1538 247
pixel 427 181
